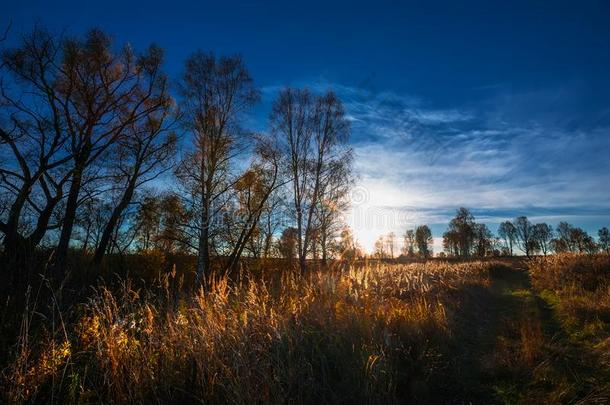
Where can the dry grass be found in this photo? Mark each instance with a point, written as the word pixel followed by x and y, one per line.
pixel 578 287
pixel 576 290
pixel 368 335
pixel 382 333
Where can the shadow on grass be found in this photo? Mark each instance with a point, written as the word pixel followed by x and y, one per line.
pixel 507 346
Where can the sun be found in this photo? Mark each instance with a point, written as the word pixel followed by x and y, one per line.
pixel 378 208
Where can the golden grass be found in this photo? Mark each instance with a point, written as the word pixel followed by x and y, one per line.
pixel 578 286
pixel 379 333
pixel 358 335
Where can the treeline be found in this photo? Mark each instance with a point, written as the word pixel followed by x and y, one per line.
pixel 101 152
pixel 465 238
pixel 416 242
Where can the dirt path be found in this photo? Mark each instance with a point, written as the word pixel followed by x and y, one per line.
pixel 523 355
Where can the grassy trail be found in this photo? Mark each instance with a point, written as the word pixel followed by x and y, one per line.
pixel 525 355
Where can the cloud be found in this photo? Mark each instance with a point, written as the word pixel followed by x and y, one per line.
pixel 492 157
pixel 532 153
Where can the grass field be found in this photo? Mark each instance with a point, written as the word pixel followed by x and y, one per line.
pixel 499 331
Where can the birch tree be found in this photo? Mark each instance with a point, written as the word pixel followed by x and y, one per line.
pixel 312 131
pixel 215 94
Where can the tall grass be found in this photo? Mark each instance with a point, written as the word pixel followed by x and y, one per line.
pixel 578 286
pixel 371 335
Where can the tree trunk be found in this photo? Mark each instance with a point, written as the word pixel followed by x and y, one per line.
pixel 203 254
pixel 11 236
pixel 243 239
pixel 87 236
pixel 323 246
pixel 68 222
pixel 112 222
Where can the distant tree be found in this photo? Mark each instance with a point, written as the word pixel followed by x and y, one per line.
pixel 482 240
pixel 423 240
pixel 559 246
pixel 497 247
pixel 543 235
pixel 90 221
pixel 508 233
pixel 460 234
pixel 451 243
pixel 348 248
pixel 573 239
pixel 287 245
pixel 525 235
pixel 148 222
pixel 408 247
pixel 85 222
pixel 380 245
pixel 590 246
pixel 564 241
pixel 260 243
pixel 172 236
pixel 582 241
pixel 604 239
pixel 390 241
pixel 270 222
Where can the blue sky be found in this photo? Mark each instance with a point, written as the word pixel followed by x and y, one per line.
pixel 503 107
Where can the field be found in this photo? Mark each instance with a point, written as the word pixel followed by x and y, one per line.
pixel 493 331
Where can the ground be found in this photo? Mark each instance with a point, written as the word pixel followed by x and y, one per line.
pixel 483 331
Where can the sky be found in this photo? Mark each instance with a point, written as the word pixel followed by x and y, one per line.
pixel 501 107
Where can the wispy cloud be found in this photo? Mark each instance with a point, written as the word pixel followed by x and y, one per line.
pixel 490 157
pixel 509 154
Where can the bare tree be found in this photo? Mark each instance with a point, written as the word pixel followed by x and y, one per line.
pixel 33 137
pixel 543 234
pixel 408 248
pixel 581 240
pixel 348 248
pixel 71 102
pixel 312 131
pixel 171 236
pixel 482 240
pixel 147 222
pixel 215 92
pixel 141 156
pixel 333 202
pixel 254 188
pixel 97 94
pixel 604 239
pixel 508 233
pixel 525 235
pixel 85 223
pixel 380 245
pixel 390 241
pixel 564 238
